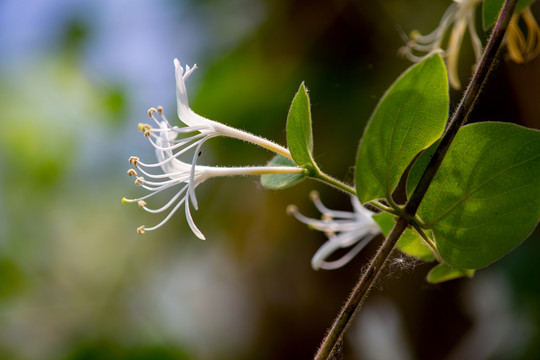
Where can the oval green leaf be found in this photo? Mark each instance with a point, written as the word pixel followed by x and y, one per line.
pixel 485 198
pixel 299 133
pixel 410 117
pixel 281 181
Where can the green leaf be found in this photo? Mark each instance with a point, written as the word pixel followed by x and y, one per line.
pixel 444 272
pixel 281 181
pixel 409 117
pixel 485 198
pixel 492 8
pixel 299 133
pixel 410 242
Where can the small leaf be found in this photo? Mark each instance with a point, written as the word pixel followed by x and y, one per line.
pixel 299 133
pixel 410 242
pixel 409 118
pixel 492 8
pixel 485 198
pixel 444 272
pixel 281 181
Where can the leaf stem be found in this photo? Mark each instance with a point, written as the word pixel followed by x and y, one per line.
pixel 426 238
pixel 319 175
pixel 327 179
pixel 458 119
pixel 383 207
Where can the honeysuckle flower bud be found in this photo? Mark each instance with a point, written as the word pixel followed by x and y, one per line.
pixel 344 229
pixel 179 175
pixel 521 48
pixel 459 17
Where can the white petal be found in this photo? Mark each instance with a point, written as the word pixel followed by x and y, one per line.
pixel 345 259
pixel 191 223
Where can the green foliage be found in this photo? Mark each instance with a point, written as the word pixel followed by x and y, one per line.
pixel 444 272
pixel 492 8
pixel 299 133
pixel 112 350
pixel 409 117
pixel 13 278
pixel 485 197
pixel 281 181
pixel 410 243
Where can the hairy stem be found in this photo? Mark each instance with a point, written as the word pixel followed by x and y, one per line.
pixel 457 120
pixel 360 291
pixel 319 175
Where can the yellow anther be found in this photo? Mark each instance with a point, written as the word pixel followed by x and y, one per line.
pixel 414 35
pixel 140 229
pixel 141 203
pixel 151 111
pixel 125 201
pixel 326 217
pixel 160 110
pixel 132 172
pixel 134 160
pixel 292 209
pixel 144 127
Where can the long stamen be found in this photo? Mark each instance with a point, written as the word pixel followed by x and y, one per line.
pixel 314 195
pixel 169 215
pixel 168 204
pixel 321 225
pixel 177 143
pixel 142 181
pixel 170 158
pixel 154 192
pixel 161 187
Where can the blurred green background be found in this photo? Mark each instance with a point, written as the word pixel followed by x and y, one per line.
pixel 77 282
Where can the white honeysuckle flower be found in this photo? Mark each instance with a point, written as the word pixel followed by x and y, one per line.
pixel 344 229
pixel 187 176
pixel 179 175
pixel 200 128
pixel 459 17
